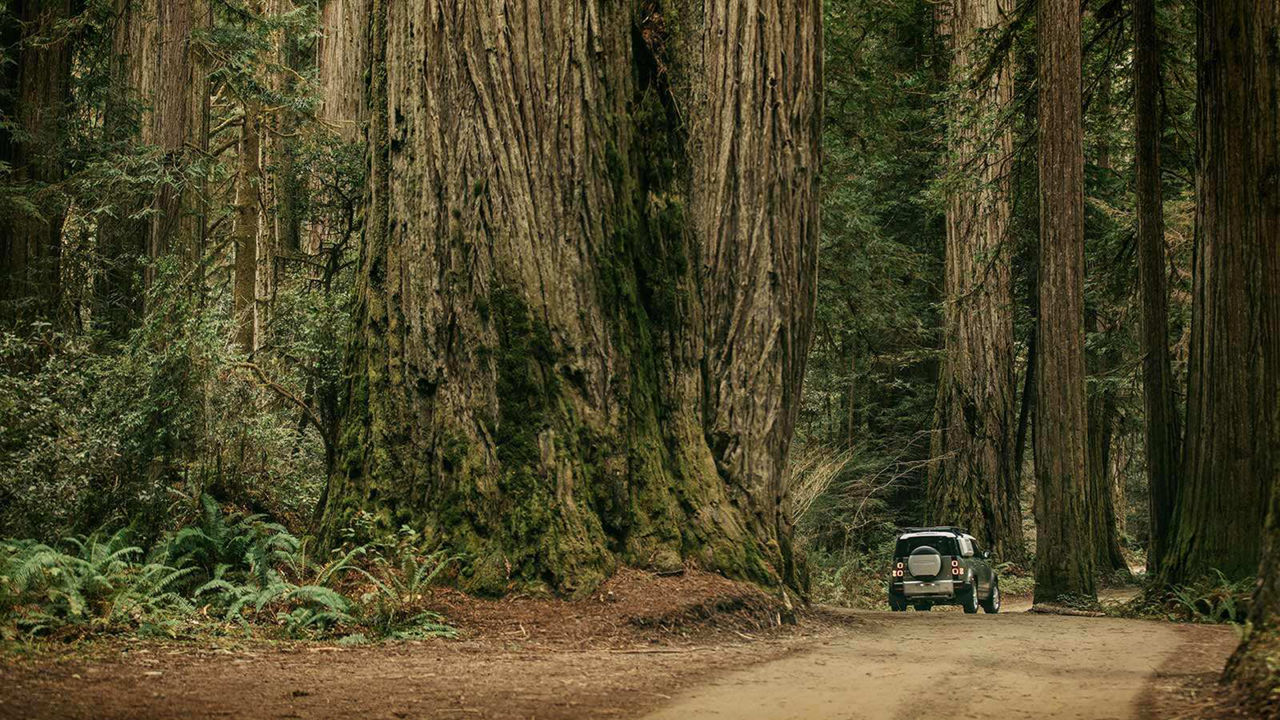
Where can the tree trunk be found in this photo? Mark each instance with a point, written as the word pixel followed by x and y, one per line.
pixel 1064 551
pixel 177 125
pixel 973 481
pixel 1242 78
pixel 342 58
pixel 1161 435
pixel 586 298
pixel 247 228
pixel 31 239
pixel 122 236
pixel 1108 556
pixel 1231 453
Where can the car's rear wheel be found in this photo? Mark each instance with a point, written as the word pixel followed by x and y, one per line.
pixel 969 600
pixel 923 607
pixel 992 603
pixel 897 605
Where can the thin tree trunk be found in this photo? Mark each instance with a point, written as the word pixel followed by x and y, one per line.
pixel 1161 434
pixel 1231 453
pixel 973 481
pixel 586 299
pixel 247 228
pixel 1241 129
pixel 1064 548
pixel 1102 518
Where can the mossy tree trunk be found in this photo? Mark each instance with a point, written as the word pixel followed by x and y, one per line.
pixel 586 285
pixel 1231 451
pixel 1064 547
pixel 973 481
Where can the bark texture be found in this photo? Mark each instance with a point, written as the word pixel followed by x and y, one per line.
pixel 1231 449
pixel 1101 408
pixel 586 284
pixel 973 481
pixel 177 123
pixel 1241 54
pixel 1161 434
pixel 1064 547
pixel 31 237
pixel 342 59
pixel 247 229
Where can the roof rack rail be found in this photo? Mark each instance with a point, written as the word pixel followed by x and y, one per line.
pixel 935 528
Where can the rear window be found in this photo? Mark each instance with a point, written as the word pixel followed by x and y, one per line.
pixel 944 544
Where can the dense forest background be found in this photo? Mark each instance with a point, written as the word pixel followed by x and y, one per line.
pixel 254 269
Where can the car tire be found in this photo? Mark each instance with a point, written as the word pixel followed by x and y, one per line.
pixel 923 607
pixel 969 600
pixel 897 605
pixel 992 603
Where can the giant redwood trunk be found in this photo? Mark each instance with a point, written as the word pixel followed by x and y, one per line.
pixel 1064 547
pixel 1161 434
pixel 177 123
pixel 33 146
pixel 586 284
pixel 1239 61
pixel 1231 451
pixel 973 481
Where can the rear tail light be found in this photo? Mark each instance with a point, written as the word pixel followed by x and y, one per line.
pixel 955 568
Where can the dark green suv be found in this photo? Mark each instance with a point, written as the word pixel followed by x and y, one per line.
pixel 942 566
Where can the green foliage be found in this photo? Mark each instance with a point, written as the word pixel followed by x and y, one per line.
pixel 250 573
pixel 1213 599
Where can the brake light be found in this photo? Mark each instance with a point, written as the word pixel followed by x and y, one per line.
pixel 955 563
pixel 956 571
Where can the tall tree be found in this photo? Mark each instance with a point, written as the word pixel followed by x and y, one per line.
pixel 122 234
pixel 586 299
pixel 32 146
pixel 1231 453
pixel 973 481
pixel 247 227
pixel 1064 547
pixel 178 120
pixel 1241 162
pixel 1161 434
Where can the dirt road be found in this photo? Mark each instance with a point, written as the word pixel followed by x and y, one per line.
pixel 946 664
pixel 861 665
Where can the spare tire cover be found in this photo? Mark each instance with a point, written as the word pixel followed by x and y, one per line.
pixel 925 562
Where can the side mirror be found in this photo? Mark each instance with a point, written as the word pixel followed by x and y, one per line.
pixel 986 554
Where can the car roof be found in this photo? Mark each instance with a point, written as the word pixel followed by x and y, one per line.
pixel 927 533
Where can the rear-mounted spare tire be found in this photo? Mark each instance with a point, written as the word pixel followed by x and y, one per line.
pixel 924 562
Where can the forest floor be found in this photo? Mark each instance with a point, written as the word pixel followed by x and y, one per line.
pixel 661 647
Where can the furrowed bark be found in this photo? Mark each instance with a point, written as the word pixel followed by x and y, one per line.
pixel 177 123
pixel 1231 453
pixel 586 298
pixel 973 481
pixel 1064 547
pixel 1161 434
pixel 1242 38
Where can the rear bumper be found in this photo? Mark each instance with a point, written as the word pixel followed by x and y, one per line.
pixel 927 589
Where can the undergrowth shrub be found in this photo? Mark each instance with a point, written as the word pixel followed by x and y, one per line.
pixel 228 572
pixel 1212 599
